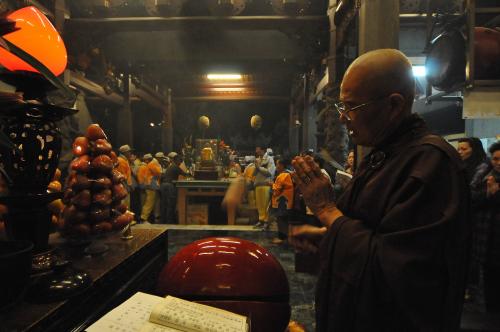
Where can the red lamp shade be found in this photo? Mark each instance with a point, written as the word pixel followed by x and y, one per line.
pixel 231 274
pixel 38 37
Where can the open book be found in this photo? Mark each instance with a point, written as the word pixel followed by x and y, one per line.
pixel 148 313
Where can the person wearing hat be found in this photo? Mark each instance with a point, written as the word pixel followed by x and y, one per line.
pixel 124 168
pixel 168 190
pixel 135 202
pixel 264 173
pixel 182 165
pixel 151 189
pixel 163 160
pixel 141 176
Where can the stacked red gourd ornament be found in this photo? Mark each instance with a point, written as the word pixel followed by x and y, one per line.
pixel 94 188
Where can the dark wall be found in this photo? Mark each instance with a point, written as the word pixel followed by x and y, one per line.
pixel 104 114
pixel 147 139
pixel 230 121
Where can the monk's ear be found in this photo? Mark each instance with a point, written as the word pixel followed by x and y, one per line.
pixel 397 104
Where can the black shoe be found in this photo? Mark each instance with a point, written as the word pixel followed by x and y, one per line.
pixel 260 224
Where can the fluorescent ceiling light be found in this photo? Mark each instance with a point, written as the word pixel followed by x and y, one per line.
pixel 418 71
pixel 214 77
pixel 228 89
pixel 227 84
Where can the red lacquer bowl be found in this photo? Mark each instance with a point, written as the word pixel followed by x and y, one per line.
pixel 232 274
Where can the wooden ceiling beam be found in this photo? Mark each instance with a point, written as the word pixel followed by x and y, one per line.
pixel 121 24
pixel 231 98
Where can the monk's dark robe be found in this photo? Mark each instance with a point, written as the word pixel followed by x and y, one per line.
pixel 396 260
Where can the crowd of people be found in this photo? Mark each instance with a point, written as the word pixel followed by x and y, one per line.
pixel 483 176
pixel 152 196
pixel 150 180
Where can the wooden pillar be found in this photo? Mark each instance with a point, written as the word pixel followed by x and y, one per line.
pixel 304 108
pixel 312 127
pixel 125 128
pixel 293 138
pixel 59 12
pixel 378 25
pixel 378 28
pixel 167 129
pixel 332 53
pixel 308 118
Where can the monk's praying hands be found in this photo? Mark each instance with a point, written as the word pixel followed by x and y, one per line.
pixel 316 189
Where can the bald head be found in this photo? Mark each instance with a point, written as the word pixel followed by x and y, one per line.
pixel 379 73
pixel 381 85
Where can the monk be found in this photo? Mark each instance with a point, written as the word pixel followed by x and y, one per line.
pixel 393 247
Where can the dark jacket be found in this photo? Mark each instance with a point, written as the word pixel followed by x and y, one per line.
pixel 486 218
pixel 396 260
pixel 172 173
pixel 471 166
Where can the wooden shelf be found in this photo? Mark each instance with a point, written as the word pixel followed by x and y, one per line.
pixel 488 10
pixel 81 82
pixel 487 83
pixel 145 94
pixel 125 269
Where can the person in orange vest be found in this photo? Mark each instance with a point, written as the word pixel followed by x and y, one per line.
pixel 124 168
pixel 151 187
pixel 141 177
pixel 282 198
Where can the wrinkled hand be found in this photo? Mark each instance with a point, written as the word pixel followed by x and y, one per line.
pixel 316 189
pixel 491 186
pixel 306 237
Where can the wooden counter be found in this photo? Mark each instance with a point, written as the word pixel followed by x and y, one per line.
pixel 127 267
pixel 201 188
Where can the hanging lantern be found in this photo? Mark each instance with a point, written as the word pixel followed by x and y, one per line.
pixel 92 8
pixel 227 7
pixel 163 7
pixel 411 6
pixel 256 122
pixel 203 122
pixel 37 37
pixel 290 7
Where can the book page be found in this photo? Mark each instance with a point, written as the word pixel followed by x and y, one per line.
pixel 194 317
pixel 151 327
pixel 342 179
pixel 130 316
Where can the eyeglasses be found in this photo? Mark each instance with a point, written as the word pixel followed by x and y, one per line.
pixel 344 110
